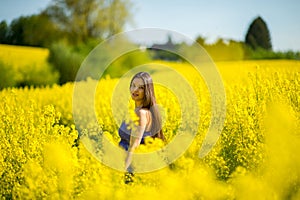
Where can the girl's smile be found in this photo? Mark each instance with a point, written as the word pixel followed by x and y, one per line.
pixel 137 89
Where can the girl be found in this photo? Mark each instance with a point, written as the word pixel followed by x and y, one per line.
pixel 149 123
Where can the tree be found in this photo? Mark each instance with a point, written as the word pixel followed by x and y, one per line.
pixel 119 14
pixel 201 40
pixel 16 31
pixel 3 32
pixel 84 19
pixel 40 31
pixel 258 35
pixel 33 30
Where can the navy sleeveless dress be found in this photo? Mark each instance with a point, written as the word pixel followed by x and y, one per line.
pixel 124 134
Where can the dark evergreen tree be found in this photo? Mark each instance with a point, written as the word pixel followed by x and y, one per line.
pixel 258 35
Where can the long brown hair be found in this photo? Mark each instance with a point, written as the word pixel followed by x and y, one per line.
pixel 150 103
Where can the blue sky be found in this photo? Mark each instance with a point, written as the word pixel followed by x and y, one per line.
pixel 210 18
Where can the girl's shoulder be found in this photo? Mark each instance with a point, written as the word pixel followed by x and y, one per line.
pixel 143 111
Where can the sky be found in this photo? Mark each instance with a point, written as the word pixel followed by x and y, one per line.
pixel 211 19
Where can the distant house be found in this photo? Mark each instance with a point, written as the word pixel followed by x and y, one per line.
pixel 169 45
pixel 162 51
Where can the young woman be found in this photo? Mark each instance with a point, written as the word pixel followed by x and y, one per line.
pixel 149 123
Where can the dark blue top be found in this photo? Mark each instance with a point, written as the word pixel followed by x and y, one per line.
pixel 124 134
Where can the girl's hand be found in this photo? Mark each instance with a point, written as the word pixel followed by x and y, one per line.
pixel 136 136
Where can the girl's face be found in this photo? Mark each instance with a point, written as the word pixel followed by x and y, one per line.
pixel 137 89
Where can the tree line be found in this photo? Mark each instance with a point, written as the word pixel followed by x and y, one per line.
pixel 256 45
pixel 70 29
pixel 73 20
pixel 80 21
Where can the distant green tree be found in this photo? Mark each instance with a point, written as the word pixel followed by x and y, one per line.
pixel 258 35
pixel 65 60
pixel 119 14
pixel 33 30
pixel 201 40
pixel 3 32
pixel 84 19
pixel 223 49
pixel 16 31
pixel 40 31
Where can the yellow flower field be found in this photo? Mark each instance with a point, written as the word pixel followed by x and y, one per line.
pixel 25 66
pixel 256 155
pixel 19 56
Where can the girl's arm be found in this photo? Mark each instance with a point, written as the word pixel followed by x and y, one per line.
pixel 136 136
